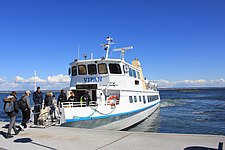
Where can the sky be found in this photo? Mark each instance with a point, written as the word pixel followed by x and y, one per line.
pixel 180 43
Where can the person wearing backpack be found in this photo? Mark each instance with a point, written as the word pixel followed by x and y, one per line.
pixel 11 109
pixel 24 106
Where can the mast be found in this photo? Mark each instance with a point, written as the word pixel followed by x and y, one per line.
pixel 78 52
pixel 107 46
pixel 35 84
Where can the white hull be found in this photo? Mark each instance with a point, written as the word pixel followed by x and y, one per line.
pixel 130 121
pixel 106 117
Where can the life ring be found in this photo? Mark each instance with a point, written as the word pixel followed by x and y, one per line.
pixel 113 100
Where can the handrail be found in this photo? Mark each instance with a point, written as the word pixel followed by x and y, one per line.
pixel 77 104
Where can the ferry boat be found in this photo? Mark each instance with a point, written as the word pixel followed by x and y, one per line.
pixel 120 95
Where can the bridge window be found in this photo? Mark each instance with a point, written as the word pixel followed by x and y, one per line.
pixel 134 73
pixel 115 69
pixel 74 70
pixel 92 69
pixel 130 72
pixel 69 71
pixel 138 75
pixel 82 70
pixel 102 68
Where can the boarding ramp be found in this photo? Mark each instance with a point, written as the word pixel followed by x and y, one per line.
pixel 47 117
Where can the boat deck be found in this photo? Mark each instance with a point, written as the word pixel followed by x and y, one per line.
pixel 74 138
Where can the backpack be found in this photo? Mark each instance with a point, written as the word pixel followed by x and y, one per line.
pixel 22 104
pixel 9 107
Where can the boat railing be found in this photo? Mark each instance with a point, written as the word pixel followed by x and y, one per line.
pixel 77 104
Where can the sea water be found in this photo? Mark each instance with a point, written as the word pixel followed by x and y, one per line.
pixel 189 111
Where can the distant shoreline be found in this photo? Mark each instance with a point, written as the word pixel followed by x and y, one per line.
pixel 191 88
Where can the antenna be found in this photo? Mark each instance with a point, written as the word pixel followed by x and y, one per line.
pixel 107 46
pixel 78 51
pixel 92 56
pixel 123 49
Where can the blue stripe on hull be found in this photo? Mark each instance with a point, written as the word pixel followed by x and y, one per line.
pixel 119 115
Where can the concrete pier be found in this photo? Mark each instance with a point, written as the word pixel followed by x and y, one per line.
pixel 65 138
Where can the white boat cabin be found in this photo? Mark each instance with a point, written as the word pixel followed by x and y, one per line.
pixel 105 79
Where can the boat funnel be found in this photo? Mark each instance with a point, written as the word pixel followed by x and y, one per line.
pixel 137 64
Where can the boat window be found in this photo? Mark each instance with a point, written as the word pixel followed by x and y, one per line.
pixel 130 72
pixel 115 69
pixel 140 98
pixel 92 69
pixel 149 98
pixel 102 68
pixel 82 70
pixel 135 99
pixel 131 99
pixel 138 75
pixel 134 73
pixel 74 70
pixel 144 99
pixel 136 82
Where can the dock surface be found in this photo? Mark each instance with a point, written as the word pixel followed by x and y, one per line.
pixel 65 138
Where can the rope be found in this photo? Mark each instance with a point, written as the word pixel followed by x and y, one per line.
pixel 95 110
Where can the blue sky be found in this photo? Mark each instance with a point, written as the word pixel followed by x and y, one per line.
pixel 179 42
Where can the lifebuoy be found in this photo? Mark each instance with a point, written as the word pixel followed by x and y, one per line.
pixel 113 100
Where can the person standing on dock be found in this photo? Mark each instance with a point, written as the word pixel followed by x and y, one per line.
pixel 37 98
pixel 62 98
pixel 48 102
pixel 11 109
pixel 25 103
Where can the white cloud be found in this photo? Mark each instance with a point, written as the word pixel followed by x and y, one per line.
pixel 59 78
pixel 19 79
pixel 60 81
pixel 20 83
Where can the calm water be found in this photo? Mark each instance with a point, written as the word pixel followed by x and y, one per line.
pixel 199 111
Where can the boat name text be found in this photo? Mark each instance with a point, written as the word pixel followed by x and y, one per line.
pixel 93 79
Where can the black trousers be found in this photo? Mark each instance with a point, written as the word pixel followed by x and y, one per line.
pixel 26 117
pixel 37 109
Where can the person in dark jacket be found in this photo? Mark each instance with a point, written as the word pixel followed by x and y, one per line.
pixel 12 115
pixel 62 98
pixel 48 102
pixel 87 97
pixel 37 98
pixel 26 111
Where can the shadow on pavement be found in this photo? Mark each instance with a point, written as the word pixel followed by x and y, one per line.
pixel 29 140
pixel 220 147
